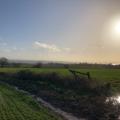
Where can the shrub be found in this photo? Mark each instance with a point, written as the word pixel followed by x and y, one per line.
pixel 24 75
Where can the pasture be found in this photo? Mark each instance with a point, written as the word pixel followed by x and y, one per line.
pixel 102 75
pixel 98 74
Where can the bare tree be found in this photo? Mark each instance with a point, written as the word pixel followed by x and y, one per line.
pixel 3 62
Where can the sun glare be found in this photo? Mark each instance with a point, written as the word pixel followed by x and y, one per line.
pixel 116 28
pixel 111 32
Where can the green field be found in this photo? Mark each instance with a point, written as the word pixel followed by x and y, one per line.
pixel 99 74
pixel 18 106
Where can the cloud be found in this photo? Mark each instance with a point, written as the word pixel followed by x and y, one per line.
pixel 67 49
pixel 51 47
pixel 3 43
pixel 7 50
pixel 47 46
pixel 14 48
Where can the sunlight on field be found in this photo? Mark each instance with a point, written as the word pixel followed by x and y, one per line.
pixel 100 74
pixel 18 106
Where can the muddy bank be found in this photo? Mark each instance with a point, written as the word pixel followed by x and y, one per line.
pixel 65 115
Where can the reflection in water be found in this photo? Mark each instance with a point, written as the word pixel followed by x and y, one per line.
pixel 118 98
pixel 115 99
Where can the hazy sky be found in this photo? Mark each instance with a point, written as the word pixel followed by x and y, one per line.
pixel 62 30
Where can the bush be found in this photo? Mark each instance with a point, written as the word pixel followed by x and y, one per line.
pixel 24 75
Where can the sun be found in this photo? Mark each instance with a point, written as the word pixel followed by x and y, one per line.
pixel 111 31
pixel 116 27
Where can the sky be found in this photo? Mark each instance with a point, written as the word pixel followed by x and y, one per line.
pixel 60 30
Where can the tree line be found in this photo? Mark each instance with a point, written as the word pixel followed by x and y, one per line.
pixel 4 62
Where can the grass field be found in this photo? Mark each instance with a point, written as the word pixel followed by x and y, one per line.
pixel 99 74
pixel 18 106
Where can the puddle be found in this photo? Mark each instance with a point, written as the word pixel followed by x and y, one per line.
pixel 115 99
